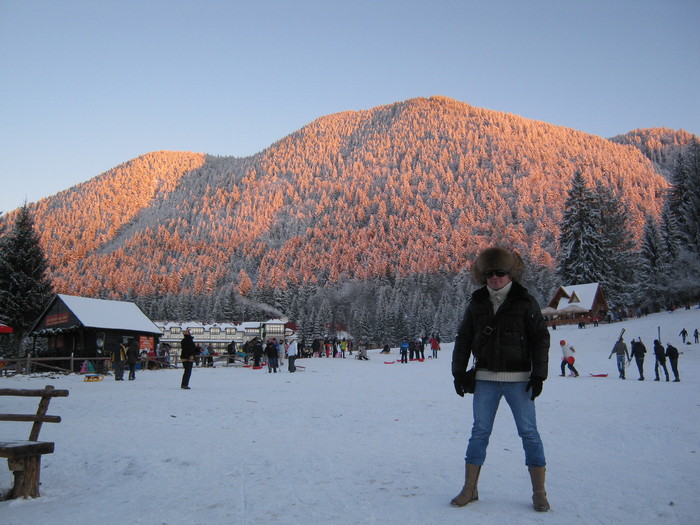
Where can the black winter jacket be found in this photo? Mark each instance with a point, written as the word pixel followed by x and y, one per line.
pixel 189 349
pixel 516 339
pixel 671 352
pixel 659 353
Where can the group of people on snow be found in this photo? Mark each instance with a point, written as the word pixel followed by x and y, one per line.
pixel 639 350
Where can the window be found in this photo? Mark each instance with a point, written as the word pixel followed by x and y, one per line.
pixel 274 329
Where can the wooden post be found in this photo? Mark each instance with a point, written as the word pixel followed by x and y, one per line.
pixel 41 411
pixel 26 472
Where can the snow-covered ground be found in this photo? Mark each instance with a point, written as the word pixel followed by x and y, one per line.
pixel 355 442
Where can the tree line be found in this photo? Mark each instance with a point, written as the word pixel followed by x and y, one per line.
pixel 596 244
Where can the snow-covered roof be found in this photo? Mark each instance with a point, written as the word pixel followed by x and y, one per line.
pixel 582 295
pixel 111 315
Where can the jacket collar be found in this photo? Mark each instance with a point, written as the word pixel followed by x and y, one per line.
pixel 517 290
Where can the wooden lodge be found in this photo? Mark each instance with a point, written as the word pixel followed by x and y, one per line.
pixel 85 327
pixel 578 303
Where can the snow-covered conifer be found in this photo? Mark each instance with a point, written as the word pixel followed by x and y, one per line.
pixel 581 246
pixel 25 287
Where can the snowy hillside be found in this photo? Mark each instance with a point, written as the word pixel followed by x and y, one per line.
pixel 354 442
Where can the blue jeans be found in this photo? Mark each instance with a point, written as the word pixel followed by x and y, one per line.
pixel 621 365
pixel 487 396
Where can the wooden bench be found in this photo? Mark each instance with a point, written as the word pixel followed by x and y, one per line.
pixel 24 457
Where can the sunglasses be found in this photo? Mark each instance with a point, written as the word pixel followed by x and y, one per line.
pixel 497 273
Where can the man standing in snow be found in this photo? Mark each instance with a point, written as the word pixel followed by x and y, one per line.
pixel 132 356
pixel 187 357
pixel 292 352
pixel 660 359
pixel 404 351
pixel 505 331
pixel 271 353
pixel 672 354
pixel 258 351
pixel 623 356
pixel 638 351
pixel 118 358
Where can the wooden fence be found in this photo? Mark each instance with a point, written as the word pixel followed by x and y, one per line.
pixel 100 364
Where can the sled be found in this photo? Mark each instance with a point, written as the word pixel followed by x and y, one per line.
pixel 597 375
pixel 389 362
pixel 570 360
pixel 93 377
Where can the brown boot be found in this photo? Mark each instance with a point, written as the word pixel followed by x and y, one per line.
pixel 539 495
pixel 469 492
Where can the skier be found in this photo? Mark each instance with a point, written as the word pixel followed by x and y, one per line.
pixel 672 354
pixel 567 359
pixel 660 359
pixel 620 349
pixel 683 334
pixel 638 351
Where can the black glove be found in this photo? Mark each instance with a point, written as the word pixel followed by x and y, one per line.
pixel 535 383
pixel 460 378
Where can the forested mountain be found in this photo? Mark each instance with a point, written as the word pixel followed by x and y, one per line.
pixel 408 191
pixel 661 146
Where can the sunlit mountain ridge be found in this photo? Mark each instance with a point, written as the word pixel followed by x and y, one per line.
pixel 413 187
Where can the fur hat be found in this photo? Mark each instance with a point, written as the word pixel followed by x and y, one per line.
pixel 496 258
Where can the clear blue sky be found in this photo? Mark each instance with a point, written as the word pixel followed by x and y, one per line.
pixel 88 84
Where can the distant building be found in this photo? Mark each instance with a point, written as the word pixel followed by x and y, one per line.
pixel 217 336
pixel 576 303
pixel 86 327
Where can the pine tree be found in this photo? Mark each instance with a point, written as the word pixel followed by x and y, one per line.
pixel 689 211
pixel 596 243
pixel 581 246
pixel 650 290
pixel 618 267
pixel 669 231
pixel 680 230
pixel 679 180
pixel 25 287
